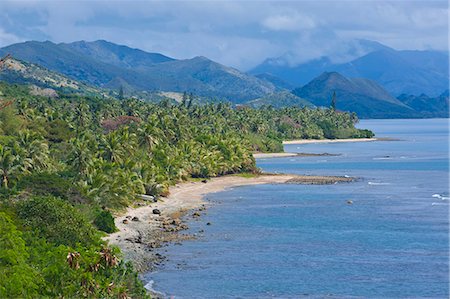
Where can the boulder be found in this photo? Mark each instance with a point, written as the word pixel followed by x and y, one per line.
pixel 147 197
pixel 156 212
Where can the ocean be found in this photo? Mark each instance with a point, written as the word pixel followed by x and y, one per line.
pixel 307 241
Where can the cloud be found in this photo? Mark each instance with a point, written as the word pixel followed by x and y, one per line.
pixel 8 38
pixel 293 22
pixel 236 33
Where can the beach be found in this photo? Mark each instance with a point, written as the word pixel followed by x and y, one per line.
pixel 284 155
pixel 309 141
pixel 140 230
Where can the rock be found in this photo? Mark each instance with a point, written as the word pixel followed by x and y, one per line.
pixel 147 197
pixel 196 215
pixel 125 221
pixel 135 219
pixel 176 221
pixel 209 223
pixel 128 217
pixel 204 181
pixel 349 202
pixel 156 212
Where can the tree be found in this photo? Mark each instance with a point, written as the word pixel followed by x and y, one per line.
pixel 333 101
pixel 17 278
pixel 121 93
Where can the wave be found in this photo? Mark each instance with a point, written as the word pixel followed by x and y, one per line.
pixel 440 196
pixel 439 204
pixel 378 184
pixel 149 286
pixel 382 158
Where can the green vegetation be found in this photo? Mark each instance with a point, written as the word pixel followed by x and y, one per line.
pixel 67 162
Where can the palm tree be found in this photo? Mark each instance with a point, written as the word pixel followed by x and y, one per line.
pixel 12 164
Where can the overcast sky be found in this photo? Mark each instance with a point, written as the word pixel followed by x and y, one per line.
pixel 236 33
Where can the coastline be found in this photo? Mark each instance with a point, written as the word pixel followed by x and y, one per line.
pixel 310 141
pixel 283 155
pixel 140 231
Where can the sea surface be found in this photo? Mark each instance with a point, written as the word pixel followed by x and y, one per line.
pixel 303 241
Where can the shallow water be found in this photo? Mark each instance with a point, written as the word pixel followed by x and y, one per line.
pixel 291 241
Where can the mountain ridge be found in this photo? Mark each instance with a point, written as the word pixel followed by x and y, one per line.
pixel 199 75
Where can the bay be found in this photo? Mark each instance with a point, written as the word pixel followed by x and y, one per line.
pixel 291 241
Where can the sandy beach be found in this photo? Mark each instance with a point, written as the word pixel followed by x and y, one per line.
pixel 308 141
pixel 140 230
pixel 283 155
pixel 273 155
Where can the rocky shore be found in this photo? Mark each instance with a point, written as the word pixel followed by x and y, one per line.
pixel 149 225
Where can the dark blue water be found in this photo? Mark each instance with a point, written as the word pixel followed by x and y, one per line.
pixel 291 241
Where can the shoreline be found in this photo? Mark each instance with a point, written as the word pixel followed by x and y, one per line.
pixel 310 141
pixel 140 231
pixel 283 155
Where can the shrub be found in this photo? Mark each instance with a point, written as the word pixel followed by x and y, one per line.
pixel 57 221
pixel 17 278
pixel 104 221
pixel 46 184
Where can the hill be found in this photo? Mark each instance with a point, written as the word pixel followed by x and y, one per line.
pixel 428 106
pixel 363 96
pixel 107 65
pixel 279 100
pixel 42 80
pixel 409 72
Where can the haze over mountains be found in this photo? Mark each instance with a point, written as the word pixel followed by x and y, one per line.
pixel 399 72
pixel 366 85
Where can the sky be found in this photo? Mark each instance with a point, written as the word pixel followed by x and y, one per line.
pixel 241 34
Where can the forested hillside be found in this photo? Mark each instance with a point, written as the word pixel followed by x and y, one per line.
pixel 68 163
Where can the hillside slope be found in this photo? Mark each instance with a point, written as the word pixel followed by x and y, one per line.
pixel 19 72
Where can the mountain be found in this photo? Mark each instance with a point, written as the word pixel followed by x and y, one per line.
pixel 363 96
pixel 117 55
pixel 399 72
pixel 428 106
pixel 108 65
pixel 42 80
pixel 411 72
pixel 280 99
pixel 277 82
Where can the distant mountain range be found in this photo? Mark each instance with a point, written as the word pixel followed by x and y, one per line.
pixel 399 72
pixel 108 65
pixel 102 68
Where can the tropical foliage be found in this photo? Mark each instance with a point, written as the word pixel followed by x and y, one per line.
pixel 66 163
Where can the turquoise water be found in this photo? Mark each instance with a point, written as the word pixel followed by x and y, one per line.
pixel 291 241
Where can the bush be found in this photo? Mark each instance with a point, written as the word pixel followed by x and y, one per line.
pixel 46 184
pixel 104 221
pixel 17 278
pixel 57 221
